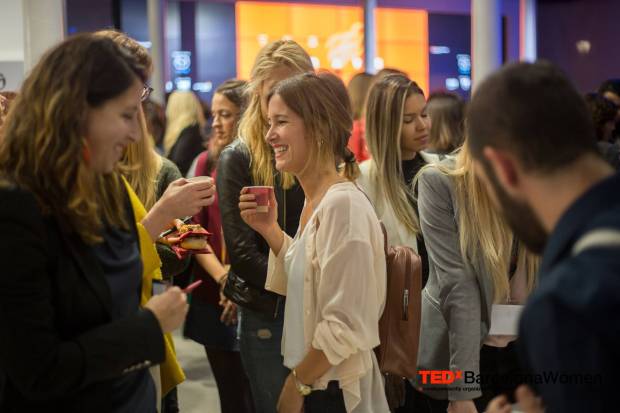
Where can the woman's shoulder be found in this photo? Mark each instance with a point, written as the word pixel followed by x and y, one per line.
pixel 346 203
pixel 235 150
pixel 19 205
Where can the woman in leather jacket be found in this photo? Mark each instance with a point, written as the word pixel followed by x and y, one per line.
pixel 248 161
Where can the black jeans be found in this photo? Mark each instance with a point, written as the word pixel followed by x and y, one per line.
pixel 417 402
pixel 500 371
pixel 330 400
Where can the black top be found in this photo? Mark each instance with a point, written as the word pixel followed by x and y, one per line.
pixel 119 257
pixel 187 147
pixel 411 168
pixel 64 347
pixel 570 326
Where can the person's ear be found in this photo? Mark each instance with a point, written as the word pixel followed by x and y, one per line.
pixel 505 168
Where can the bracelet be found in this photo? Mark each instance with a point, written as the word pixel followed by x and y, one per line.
pixel 303 389
pixel 222 280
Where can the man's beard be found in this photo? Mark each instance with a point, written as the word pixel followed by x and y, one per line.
pixel 520 217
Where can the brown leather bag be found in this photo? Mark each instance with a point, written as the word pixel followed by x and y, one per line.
pixel 399 326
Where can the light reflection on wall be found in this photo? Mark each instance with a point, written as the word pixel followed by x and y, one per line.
pixel 332 35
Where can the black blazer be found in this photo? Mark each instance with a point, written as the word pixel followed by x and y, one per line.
pixel 59 348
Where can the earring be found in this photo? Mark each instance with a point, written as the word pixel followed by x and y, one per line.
pixel 86 154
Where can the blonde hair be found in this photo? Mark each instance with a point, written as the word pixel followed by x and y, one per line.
pixel 140 164
pixel 182 110
pixel 384 120
pixel 253 125
pixel 43 148
pixel 484 235
pixel 322 102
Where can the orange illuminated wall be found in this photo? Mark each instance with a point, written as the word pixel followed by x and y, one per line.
pixel 402 42
pixel 332 35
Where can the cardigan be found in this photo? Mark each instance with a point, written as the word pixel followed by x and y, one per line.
pixel 344 288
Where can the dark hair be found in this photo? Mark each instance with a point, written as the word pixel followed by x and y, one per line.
pixel 43 143
pixel 234 90
pixel 602 111
pixel 321 100
pixel 532 110
pixel 447 113
pixel 610 85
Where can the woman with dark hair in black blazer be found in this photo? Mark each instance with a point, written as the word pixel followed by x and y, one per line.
pixel 74 336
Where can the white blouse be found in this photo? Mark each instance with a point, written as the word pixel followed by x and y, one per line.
pixel 344 293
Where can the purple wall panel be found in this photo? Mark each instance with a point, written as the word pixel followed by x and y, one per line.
pixel 561 24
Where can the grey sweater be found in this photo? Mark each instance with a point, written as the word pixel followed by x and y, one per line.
pixel 457 299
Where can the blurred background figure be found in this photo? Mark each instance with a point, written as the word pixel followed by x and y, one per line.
pixel 447 115
pixel 155 121
pixel 604 114
pixel 210 318
pixel 610 90
pixel 358 89
pixel 5 103
pixel 185 123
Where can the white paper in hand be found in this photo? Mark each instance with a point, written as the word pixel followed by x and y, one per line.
pixel 505 319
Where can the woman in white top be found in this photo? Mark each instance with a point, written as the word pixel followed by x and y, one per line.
pixel 333 272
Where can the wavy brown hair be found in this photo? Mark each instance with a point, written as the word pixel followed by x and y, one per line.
pixel 43 146
pixel 322 102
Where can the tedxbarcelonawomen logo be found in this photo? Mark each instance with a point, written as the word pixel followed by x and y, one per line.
pixel 437 379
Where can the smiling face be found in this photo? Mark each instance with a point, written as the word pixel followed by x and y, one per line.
pixel 225 117
pixel 111 127
pixel 287 137
pixel 415 128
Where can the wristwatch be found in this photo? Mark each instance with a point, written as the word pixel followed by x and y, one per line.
pixel 303 389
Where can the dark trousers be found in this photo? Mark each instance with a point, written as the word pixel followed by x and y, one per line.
pixel 501 366
pixel 233 385
pixel 260 338
pixel 330 400
pixel 417 402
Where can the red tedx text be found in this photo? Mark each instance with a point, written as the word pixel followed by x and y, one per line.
pixel 439 376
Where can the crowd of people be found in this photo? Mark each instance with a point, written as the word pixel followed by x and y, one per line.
pixel 509 200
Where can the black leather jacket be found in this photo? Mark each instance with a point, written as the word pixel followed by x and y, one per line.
pixel 248 251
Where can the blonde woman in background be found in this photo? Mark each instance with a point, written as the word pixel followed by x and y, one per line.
pixel 397 130
pixel 475 263
pixel 185 122
pixel 249 161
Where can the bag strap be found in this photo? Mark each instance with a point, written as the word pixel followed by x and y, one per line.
pixel 385 237
pixel 602 237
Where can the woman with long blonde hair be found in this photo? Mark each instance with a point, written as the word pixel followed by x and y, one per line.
pixel 185 122
pixel 248 161
pixel 476 263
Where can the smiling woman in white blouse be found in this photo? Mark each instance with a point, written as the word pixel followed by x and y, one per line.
pixel 333 272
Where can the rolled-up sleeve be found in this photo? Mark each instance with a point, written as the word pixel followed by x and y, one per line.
pixel 276 273
pixel 349 302
pixel 459 294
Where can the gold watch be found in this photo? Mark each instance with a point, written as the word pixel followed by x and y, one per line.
pixel 303 389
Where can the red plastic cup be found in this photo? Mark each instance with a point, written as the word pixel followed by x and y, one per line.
pixel 262 194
